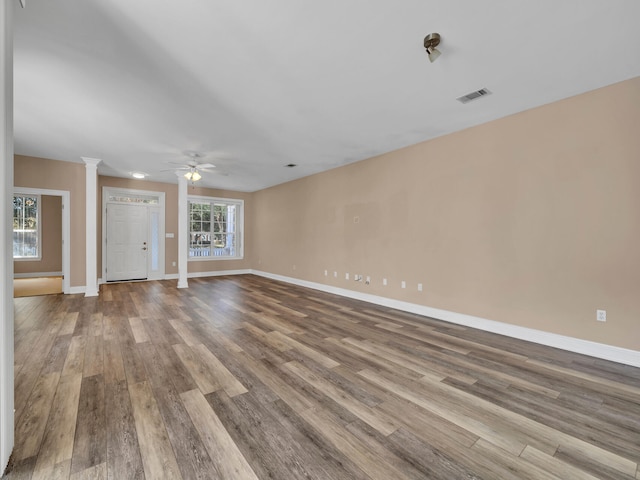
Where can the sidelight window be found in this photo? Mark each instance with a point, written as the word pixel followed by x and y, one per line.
pixel 26 227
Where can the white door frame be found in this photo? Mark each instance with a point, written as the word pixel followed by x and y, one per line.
pixel 106 192
pixel 66 228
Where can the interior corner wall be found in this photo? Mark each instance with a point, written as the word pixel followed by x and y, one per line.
pixel 33 172
pixel 531 220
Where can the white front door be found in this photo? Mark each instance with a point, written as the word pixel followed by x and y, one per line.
pixel 127 243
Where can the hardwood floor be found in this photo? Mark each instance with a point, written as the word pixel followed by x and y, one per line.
pixel 247 378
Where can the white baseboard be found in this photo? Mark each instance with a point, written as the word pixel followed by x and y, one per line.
pixel 74 290
pixel 571 344
pixel 219 273
pixel 37 274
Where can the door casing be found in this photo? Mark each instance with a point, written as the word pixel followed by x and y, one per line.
pixel 157 208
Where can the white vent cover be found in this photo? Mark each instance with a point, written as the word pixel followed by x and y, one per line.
pixel 473 95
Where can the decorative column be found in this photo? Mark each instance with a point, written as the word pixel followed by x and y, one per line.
pixel 6 233
pixel 91 205
pixel 183 230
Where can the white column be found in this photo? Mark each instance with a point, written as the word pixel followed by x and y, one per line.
pixel 6 235
pixel 183 230
pixel 91 204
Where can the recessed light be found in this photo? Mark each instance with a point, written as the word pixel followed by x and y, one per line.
pixel 139 175
pixel 291 165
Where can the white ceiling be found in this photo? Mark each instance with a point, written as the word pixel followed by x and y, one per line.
pixel 255 85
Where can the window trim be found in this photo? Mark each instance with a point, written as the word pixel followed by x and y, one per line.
pixel 239 227
pixel 38 197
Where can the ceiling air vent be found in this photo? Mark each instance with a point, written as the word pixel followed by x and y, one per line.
pixel 473 95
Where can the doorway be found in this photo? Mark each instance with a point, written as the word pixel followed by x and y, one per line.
pixel 133 235
pixel 60 206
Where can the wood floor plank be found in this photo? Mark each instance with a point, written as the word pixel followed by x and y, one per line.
pixel 346 442
pixel 93 356
pixel 377 419
pixel 113 363
pixel 89 447
pixel 183 329
pixel 310 352
pixel 96 472
pixel 227 381
pixel 139 330
pixel 227 458
pixel 133 364
pixel 554 466
pixel 123 451
pixel 33 420
pixel 193 460
pixel 25 380
pixel 74 363
pixel 57 445
pixel 463 420
pixel 204 378
pixel 156 451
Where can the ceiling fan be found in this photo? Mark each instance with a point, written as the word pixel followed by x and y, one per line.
pixel 193 168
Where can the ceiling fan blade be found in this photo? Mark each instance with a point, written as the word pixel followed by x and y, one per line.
pixel 175 169
pixel 204 165
pixel 208 170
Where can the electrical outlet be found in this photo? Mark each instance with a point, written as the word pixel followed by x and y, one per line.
pixel 326 273
pixel 173 264
pixel 335 274
pixel 419 287
pixel 294 266
pixel 357 278
pixel 601 315
pixel 384 282
pixel 403 284
pixel 346 276
pixel 368 281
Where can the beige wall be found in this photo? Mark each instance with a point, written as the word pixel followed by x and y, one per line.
pixel 43 173
pixel 171 222
pixel 51 239
pixel 532 220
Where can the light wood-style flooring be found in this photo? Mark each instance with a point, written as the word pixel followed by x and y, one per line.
pixel 29 287
pixel 247 378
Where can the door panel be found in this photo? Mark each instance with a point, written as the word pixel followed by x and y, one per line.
pixel 127 245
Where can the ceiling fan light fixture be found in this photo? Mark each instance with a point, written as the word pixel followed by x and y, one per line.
pixel 193 176
pixel 431 41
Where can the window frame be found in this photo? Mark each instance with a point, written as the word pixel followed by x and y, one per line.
pixel 38 228
pixel 239 227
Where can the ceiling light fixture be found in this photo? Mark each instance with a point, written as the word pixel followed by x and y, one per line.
pixel 431 41
pixel 139 175
pixel 193 175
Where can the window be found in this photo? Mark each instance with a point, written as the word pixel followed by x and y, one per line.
pixel 26 227
pixel 215 228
